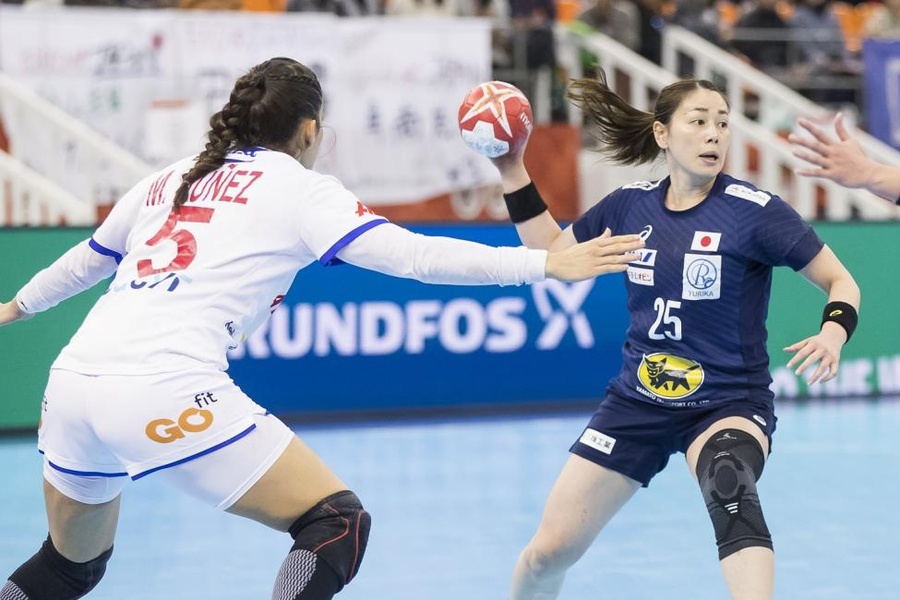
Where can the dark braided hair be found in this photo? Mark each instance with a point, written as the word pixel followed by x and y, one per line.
pixel 624 132
pixel 266 107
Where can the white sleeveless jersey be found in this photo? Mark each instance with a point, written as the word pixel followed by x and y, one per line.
pixel 192 284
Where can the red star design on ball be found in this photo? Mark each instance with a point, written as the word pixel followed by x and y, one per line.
pixel 493 99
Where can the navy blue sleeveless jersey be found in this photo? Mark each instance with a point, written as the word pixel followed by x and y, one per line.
pixel 699 293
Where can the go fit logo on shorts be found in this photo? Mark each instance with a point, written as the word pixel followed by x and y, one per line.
pixel 192 420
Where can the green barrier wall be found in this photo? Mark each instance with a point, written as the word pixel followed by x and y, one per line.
pixel 28 348
pixel 870 363
pixel 870 366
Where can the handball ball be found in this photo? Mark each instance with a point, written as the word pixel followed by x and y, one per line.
pixel 495 119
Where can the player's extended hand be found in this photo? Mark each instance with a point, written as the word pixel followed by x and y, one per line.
pixel 841 160
pixel 10 313
pixel 823 348
pixel 601 255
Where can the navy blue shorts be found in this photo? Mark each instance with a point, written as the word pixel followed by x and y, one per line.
pixel 637 438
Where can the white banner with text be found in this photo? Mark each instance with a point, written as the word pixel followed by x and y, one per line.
pixel 149 80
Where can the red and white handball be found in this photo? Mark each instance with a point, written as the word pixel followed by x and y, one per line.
pixel 495 119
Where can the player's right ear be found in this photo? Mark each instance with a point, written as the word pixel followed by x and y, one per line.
pixel 310 130
pixel 310 138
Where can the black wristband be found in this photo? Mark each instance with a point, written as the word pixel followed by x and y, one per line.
pixel 524 203
pixel 843 314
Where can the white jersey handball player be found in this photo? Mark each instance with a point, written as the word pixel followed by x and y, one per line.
pixel 201 253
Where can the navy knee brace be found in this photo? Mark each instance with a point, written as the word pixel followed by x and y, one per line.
pixel 729 465
pixel 329 544
pixel 48 575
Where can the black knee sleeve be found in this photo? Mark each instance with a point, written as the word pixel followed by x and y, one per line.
pixel 329 544
pixel 48 575
pixel 729 465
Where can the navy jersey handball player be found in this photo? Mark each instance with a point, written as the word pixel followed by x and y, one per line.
pixel 699 292
pixel 695 376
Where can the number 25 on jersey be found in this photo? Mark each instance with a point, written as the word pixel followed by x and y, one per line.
pixel 667 323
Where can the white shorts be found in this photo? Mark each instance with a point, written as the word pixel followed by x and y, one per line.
pixel 197 428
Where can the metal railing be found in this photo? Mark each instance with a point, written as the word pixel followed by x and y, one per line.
pixel 759 152
pixel 775 109
pixel 28 198
pixel 65 171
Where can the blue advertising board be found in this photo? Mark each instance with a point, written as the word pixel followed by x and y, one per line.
pixel 346 339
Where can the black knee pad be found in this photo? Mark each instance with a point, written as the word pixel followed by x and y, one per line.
pixel 728 468
pixel 336 531
pixel 48 575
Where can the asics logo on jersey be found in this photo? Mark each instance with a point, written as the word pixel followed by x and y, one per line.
pixel 192 420
pixel 645 232
pixel 570 298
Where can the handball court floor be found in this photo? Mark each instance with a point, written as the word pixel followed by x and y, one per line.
pixel 454 501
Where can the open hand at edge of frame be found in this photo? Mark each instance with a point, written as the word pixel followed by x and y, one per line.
pixel 840 159
pixel 823 348
pixel 599 256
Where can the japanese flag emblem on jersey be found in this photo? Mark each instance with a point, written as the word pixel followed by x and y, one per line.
pixel 706 241
pixel 702 277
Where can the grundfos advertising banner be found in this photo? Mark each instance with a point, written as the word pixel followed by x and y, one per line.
pixel 346 340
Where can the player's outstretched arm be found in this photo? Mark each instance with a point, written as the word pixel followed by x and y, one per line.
pixel 843 160
pixel 395 251
pixel 78 269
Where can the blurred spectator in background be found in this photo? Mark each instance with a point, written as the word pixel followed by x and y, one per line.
pixel 533 51
pixel 651 14
pixel 532 31
pixel 761 36
pixel 823 70
pixel 619 19
pixel 700 17
pixel 818 35
pixel 883 21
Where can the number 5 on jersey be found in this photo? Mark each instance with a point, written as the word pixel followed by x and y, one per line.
pixel 184 239
pixel 666 320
